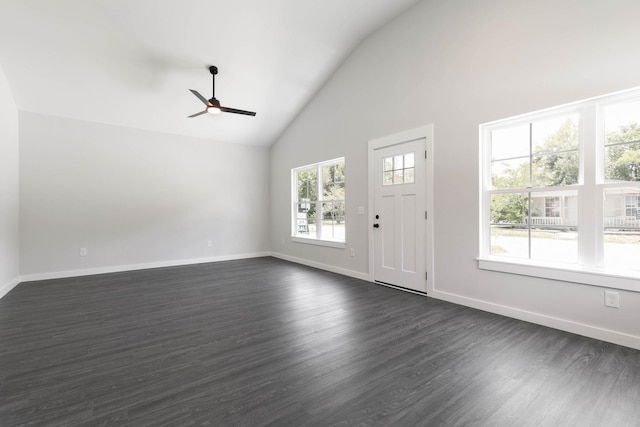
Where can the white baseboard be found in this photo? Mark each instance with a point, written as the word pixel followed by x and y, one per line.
pixel 4 289
pixel 528 316
pixel 331 268
pixel 130 267
pixel 544 320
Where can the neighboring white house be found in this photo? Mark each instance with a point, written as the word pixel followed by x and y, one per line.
pixel 620 210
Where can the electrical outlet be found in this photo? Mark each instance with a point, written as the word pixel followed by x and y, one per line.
pixel 83 251
pixel 353 252
pixel 209 244
pixel 611 299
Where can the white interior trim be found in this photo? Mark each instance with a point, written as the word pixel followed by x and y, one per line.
pixel 319 242
pixel 6 288
pixel 321 266
pixel 131 267
pixel 544 320
pixel 569 273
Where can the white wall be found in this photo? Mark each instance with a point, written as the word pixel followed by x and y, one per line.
pixel 9 201
pixel 457 65
pixel 134 198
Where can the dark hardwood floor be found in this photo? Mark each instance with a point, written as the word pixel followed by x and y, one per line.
pixel 266 342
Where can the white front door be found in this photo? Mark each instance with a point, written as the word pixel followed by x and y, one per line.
pixel 399 214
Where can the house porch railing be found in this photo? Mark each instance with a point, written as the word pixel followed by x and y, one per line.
pixel 611 222
pixel 542 220
pixel 622 222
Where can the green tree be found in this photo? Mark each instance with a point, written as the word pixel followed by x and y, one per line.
pixel 308 191
pixel 623 158
pixel 509 208
pixel 512 177
pixel 556 162
pixel 333 190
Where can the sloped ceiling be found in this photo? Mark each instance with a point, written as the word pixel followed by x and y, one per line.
pixel 131 62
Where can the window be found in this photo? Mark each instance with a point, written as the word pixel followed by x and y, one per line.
pixel 318 193
pixel 552 207
pixel 631 205
pixel 559 192
pixel 399 169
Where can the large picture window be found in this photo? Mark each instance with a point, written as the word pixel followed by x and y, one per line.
pixel 559 191
pixel 318 193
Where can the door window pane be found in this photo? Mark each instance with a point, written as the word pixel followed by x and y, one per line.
pixel 399 169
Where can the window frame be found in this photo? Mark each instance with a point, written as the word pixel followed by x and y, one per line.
pixel 318 240
pixel 591 186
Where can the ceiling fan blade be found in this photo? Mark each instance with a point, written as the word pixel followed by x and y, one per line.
pixel 235 111
pixel 200 97
pixel 197 114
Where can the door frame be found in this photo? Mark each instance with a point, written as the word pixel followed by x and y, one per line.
pixel 425 132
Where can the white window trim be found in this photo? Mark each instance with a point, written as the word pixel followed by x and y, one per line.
pixel 569 273
pixel 319 242
pixel 294 191
pixel 588 190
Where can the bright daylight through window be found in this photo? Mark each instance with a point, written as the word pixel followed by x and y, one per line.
pixel 318 195
pixel 560 190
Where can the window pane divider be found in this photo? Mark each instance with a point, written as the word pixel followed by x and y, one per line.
pixel 621 143
pixel 558 189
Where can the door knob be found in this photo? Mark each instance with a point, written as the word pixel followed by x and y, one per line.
pixel 376 225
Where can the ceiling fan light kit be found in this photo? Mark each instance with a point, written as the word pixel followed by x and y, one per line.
pixel 213 105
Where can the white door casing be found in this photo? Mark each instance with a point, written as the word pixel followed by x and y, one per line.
pixel 400 238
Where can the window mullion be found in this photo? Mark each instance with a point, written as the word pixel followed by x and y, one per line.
pixel 319 212
pixel 530 186
pixel 485 192
pixel 296 197
pixel 590 195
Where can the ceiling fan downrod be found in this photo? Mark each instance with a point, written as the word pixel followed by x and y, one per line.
pixel 213 70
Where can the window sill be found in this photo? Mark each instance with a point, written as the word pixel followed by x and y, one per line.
pixel 629 281
pixel 329 243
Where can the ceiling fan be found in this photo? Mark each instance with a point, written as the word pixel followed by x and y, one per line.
pixel 213 105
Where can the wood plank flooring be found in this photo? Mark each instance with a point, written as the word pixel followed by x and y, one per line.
pixel 266 342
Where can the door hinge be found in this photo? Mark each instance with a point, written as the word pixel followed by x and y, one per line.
pixel 426 275
pixel 425 215
pixel 425 154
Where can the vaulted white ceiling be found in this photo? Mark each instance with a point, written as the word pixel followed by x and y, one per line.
pixel 131 62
